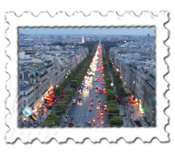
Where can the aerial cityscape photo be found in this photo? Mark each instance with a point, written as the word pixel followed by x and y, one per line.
pixel 86 77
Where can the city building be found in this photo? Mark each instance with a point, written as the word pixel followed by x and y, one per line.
pixel 25 98
pixel 149 100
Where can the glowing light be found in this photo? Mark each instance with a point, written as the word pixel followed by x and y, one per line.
pixel 140 106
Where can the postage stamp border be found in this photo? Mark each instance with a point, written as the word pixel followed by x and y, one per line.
pixel 94 19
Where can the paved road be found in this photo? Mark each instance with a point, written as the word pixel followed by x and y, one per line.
pixel 80 111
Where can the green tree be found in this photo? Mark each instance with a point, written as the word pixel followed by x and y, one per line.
pixel 110 95
pixel 116 120
pixel 68 98
pixel 74 84
pixel 112 102
pixel 58 91
pixel 113 108
pixel 52 118
pixel 49 123
pixel 60 109
pixel 108 79
pixel 70 92
pixel 109 87
pixel 122 94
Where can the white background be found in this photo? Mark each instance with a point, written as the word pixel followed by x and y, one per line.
pixel 89 4
pixel 112 134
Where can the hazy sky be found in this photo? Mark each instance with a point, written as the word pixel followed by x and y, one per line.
pixel 96 31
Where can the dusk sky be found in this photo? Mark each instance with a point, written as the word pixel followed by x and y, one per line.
pixel 95 31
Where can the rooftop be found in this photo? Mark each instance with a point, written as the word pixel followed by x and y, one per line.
pixel 24 85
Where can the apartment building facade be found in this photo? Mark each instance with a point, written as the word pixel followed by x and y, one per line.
pixel 25 97
pixel 149 101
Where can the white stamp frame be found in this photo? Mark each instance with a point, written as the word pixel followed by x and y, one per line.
pixel 78 19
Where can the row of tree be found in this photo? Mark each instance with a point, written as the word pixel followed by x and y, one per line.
pixel 61 108
pixel 113 108
pixel 108 44
pixel 51 121
pixel 118 84
pixel 90 45
pixel 74 73
pixel 84 67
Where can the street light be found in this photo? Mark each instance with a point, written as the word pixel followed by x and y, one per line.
pixel 112 84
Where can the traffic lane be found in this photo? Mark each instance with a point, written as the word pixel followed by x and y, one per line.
pixel 92 115
pixel 95 112
pixel 103 97
pixel 78 112
pixel 105 116
pixel 85 100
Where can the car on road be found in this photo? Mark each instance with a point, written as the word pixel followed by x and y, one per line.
pixel 35 125
pixel 91 104
pixel 96 95
pixel 105 108
pixel 94 122
pixel 98 116
pixel 99 100
pixel 92 99
pixel 98 108
pixel 90 110
pixel 96 91
pixel 101 114
pixel 74 101
pixel 89 123
pixel 71 124
pixel 102 122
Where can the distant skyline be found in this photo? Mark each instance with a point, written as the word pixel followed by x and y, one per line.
pixel 90 31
